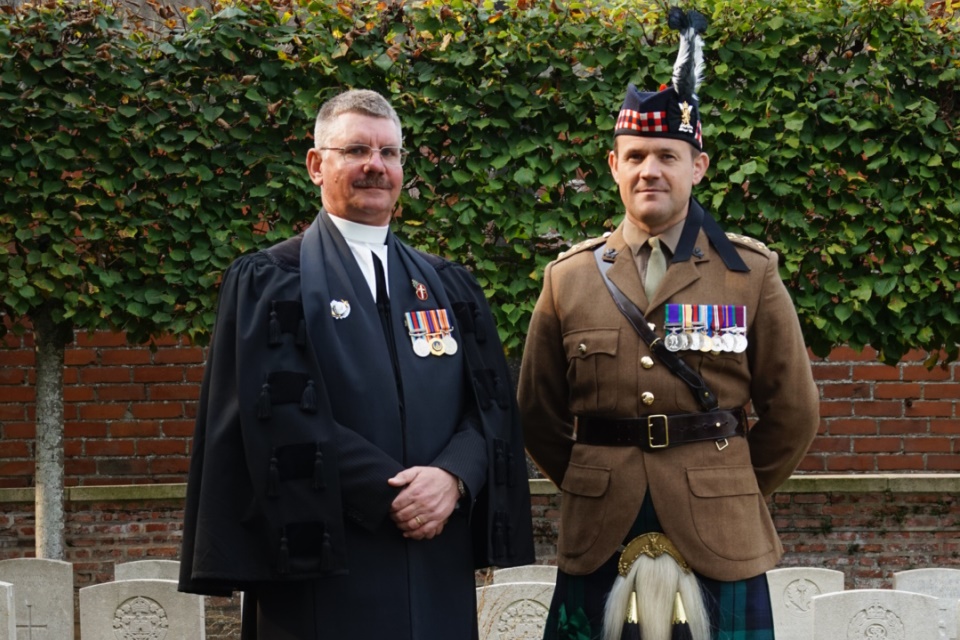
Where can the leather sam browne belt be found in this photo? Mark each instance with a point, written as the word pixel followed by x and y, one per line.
pixel 660 431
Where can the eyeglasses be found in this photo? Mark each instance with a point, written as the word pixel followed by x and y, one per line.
pixel 362 154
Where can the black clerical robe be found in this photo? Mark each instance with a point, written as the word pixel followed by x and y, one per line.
pixel 308 405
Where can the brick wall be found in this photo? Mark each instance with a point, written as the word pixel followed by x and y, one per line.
pixel 129 412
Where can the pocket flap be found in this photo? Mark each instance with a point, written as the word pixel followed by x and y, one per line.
pixel 589 342
pixel 586 481
pixel 715 482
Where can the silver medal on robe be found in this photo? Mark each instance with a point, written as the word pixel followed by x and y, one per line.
pixel 339 309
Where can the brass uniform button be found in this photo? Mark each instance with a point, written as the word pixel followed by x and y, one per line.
pixel 646 362
pixel 647 398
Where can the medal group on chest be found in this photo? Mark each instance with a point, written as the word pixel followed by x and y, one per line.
pixel 706 327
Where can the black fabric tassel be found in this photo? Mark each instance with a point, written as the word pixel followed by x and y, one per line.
pixel 301 339
pixel 478 326
pixel 681 628
pixel 264 406
pixel 631 625
pixel 499 536
pixel 326 553
pixel 273 477
pixel 319 482
pixel 499 462
pixel 308 402
pixel 283 559
pixel 275 339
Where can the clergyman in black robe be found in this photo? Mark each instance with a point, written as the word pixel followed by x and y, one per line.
pixel 357 452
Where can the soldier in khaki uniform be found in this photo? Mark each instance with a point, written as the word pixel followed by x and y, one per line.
pixel 634 447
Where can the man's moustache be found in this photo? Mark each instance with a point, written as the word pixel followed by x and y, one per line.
pixel 375 183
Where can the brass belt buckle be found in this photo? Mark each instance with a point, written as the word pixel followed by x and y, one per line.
pixel 666 431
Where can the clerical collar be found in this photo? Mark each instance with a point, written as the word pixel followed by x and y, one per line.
pixel 636 237
pixel 360 233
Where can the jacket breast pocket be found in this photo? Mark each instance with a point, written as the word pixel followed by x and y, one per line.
pixel 592 369
pixel 729 512
pixel 583 507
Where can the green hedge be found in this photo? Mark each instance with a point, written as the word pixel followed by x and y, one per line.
pixel 136 164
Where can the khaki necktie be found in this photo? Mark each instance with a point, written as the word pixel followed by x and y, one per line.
pixel 656 268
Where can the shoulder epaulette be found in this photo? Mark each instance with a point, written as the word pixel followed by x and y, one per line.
pixel 748 242
pixel 581 246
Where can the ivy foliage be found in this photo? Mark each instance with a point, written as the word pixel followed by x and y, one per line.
pixel 137 162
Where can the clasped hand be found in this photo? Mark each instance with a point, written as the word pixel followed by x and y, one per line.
pixel 428 497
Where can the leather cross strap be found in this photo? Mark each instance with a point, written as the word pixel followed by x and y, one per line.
pixel 705 398
pixel 660 431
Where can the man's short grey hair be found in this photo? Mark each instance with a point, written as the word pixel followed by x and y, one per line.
pixel 362 101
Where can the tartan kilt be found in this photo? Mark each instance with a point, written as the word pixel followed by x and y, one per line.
pixel 738 610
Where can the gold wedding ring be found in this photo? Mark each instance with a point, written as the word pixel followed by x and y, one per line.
pixel 419 521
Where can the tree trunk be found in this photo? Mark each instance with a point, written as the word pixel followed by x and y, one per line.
pixel 51 339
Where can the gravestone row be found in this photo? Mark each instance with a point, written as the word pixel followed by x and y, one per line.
pixel 142 603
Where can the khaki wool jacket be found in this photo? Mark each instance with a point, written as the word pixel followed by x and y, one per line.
pixel 583 358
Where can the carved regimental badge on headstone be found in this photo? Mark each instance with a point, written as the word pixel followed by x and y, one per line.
pixel 876 623
pixel 514 611
pixel 140 618
pixel 798 596
pixel 523 620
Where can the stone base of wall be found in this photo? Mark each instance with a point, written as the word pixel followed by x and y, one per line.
pixel 867 526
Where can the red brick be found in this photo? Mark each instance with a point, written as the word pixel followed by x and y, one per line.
pixel 831 372
pixel 918 372
pixel 153 410
pixel 111 467
pixel 158 374
pixel 927 445
pixel 79 357
pixel 121 392
pixel 10 412
pixel 18 358
pixel 875 445
pixel 174 392
pixel 135 429
pixel 876 372
pixel 941 390
pixel 896 390
pixel 942 409
pixel 178 428
pixel 943 463
pixel 78 394
pixel 85 430
pixel 845 390
pixel 903 427
pixel 113 411
pixel 812 463
pixel 17 468
pixel 945 426
pixel 886 408
pixel 19 430
pixel 852 426
pixel 125 356
pixel 101 339
pixel 836 408
pixel 179 355
pixel 900 462
pixel 158 447
pixel 110 447
pixel 170 465
pixel 91 375
pixel 11 375
pixel 830 445
pixel 19 394
pixel 72 449
pixel 195 374
pixel 167 341
pixel 15 449
pixel 850 463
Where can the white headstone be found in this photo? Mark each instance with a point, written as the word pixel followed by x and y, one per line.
pixel 939 583
pixel 867 614
pixel 8 619
pixel 43 592
pixel 791 598
pixel 147 570
pixel 140 610
pixel 526 573
pixel 515 611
